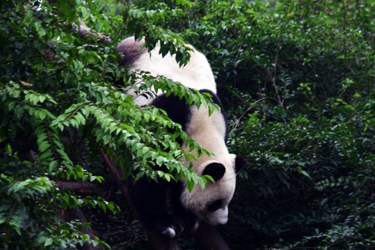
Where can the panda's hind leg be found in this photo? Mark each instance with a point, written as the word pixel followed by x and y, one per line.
pixel 150 200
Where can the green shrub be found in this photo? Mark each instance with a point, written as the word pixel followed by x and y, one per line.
pixel 298 80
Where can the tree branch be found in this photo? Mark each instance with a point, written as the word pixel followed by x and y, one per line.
pixel 85 188
pixel 84 31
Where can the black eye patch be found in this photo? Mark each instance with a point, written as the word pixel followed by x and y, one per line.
pixel 215 170
pixel 215 205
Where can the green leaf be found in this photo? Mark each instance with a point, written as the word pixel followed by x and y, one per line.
pixel 41 31
pixel 48 242
pixel 303 172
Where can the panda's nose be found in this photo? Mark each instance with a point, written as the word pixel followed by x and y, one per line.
pixel 220 216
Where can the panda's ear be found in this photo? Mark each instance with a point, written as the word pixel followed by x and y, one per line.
pixel 239 163
pixel 215 170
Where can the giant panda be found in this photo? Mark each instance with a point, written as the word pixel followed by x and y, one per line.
pixel 169 207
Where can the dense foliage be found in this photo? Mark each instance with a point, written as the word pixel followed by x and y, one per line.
pixel 296 78
pixel 61 113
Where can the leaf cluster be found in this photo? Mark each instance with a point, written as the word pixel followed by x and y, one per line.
pixel 60 111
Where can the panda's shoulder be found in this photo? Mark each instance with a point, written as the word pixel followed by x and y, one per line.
pixel 178 110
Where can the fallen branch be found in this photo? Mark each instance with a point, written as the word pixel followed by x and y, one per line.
pixel 85 188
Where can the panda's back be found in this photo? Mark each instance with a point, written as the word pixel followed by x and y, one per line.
pixel 197 74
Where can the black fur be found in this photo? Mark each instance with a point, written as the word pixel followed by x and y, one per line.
pixel 158 205
pixel 215 205
pixel 215 99
pixel 215 170
pixel 177 110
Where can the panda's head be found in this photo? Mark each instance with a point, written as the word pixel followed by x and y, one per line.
pixel 211 203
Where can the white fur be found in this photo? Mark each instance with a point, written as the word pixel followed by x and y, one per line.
pixel 208 131
pixel 197 74
pixel 169 232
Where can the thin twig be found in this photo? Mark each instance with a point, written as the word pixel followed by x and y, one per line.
pixel 248 110
pixel 281 102
pixel 115 172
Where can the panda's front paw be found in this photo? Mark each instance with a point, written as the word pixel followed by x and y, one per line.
pixel 169 232
pixel 174 228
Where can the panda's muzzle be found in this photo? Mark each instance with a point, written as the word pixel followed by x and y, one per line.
pixel 216 213
pixel 220 216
